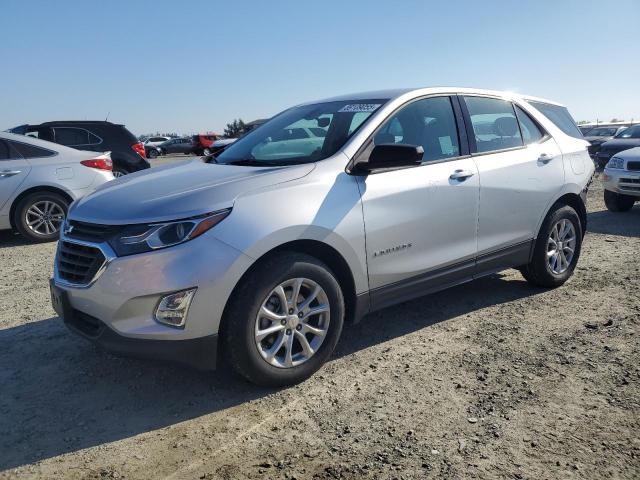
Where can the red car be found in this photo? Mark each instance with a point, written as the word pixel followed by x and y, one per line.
pixel 203 141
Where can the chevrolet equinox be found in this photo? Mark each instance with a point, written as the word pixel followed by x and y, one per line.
pixel 330 210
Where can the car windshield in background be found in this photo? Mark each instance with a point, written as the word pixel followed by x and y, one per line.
pixel 301 134
pixel 631 132
pixel 560 116
pixel 602 132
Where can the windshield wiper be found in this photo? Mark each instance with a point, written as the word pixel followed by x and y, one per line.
pixel 251 162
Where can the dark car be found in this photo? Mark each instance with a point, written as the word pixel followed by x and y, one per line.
pixel 626 139
pixel 177 145
pixel 598 135
pixel 127 153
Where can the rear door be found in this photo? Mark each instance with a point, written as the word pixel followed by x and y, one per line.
pixel 521 171
pixel 13 171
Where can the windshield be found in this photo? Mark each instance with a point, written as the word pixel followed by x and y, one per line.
pixel 602 132
pixel 631 132
pixel 301 134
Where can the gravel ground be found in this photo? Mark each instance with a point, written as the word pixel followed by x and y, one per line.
pixel 492 379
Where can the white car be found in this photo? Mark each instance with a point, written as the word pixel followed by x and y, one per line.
pixel 155 141
pixel 622 180
pixel 38 181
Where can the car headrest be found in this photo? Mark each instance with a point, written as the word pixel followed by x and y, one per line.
pixel 505 126
pixel 384 137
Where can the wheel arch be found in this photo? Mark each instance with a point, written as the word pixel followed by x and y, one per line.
pixel 574 201
pixel 314 248
pixel 38 189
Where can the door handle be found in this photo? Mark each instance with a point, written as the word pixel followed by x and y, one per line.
pixel 8 173
pixel 545 158
pixel 461 175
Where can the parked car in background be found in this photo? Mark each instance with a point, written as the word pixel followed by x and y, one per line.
pixel 598 135
pixel 202 143
pixel 155 141
pixel 259 255
pixel 624 140
pixel 38 181
pixel 621 180
pixel 177 145
pixel 127 153
pixel 224 142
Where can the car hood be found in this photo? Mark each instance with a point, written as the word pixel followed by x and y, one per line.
pixel 631 154
pixel 177 191
pixel 620 144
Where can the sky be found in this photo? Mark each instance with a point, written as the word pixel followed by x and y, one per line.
pixel 189 66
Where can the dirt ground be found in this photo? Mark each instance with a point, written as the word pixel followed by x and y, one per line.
pixel 492 379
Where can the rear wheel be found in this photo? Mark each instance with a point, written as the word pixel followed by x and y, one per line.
pixel 119 172
pixel 557 249
pixel 284 321
pixel 39 216
pixel 153 154
pixel 617 202
pixel 206 151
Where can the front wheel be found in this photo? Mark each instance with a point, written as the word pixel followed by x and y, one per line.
pixel 284 321
pixel 557 249
pixel 153 154
pixel 39 216
pixel 617 202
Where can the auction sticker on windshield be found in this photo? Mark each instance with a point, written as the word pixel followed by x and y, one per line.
pixel 360 107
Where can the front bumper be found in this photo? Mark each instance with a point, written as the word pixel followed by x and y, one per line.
pixel 622 181
pixel 116 309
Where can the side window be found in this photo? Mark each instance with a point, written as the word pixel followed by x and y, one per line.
pixel 31 151
pixel 430 123
pixel 531 133
pixel 560 117
pixel 494 124
pixel 71 136
pixel 5 153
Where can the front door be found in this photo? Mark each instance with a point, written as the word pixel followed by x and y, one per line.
pixel 421 222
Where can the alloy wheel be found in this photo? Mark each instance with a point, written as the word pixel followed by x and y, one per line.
pixel 561 246
pixel 292 322
pixel 44 217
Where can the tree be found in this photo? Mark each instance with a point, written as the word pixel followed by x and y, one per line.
pixel 615 120
pixel 234 129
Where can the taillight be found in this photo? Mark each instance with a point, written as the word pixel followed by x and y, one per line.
pixel 139 149
pixel 99 163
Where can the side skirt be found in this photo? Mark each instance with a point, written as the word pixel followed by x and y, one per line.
pixel 443 278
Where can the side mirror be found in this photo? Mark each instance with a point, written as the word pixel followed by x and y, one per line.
pixel 391 155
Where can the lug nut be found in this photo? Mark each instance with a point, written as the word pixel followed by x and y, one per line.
pixel 288 331
pixel 291 311
pixel 300 314
pixel 299 327
pixel 283 322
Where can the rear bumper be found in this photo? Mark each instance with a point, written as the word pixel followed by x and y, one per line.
pixel 199 353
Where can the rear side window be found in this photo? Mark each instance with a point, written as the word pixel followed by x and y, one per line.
pixel 531 133
pixel 560 117
pixel 31 151
pixel 494 124
pixel 5 152
pixel 71 137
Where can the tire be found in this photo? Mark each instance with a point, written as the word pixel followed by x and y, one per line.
pixel 240 323
pixel 119 172
pixel 617 202
pixel 153 154
pixel 539 271
pixel 51 204
pixel 206 151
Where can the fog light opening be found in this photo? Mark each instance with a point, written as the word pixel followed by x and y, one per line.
pixel 172 309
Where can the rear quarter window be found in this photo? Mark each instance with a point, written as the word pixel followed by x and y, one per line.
pixel 560 117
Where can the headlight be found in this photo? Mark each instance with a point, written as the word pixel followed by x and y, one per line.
pixel 146 237
pixel 615 162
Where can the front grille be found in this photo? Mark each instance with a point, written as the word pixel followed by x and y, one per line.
pixel 633 165
pixel 86 324
pixel 78 264
pixel 91 232
pixel 630 180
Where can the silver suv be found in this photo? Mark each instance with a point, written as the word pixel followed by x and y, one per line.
pixel 258 257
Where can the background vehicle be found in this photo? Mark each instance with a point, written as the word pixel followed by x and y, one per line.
pixel 626 139
pixel 177 145
pixel 127 153
pixel 598 135
pixel 621 180
pixel 155 141
pixel 202 143
pixel 266 248
pixel 38 181
pixel 152 151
